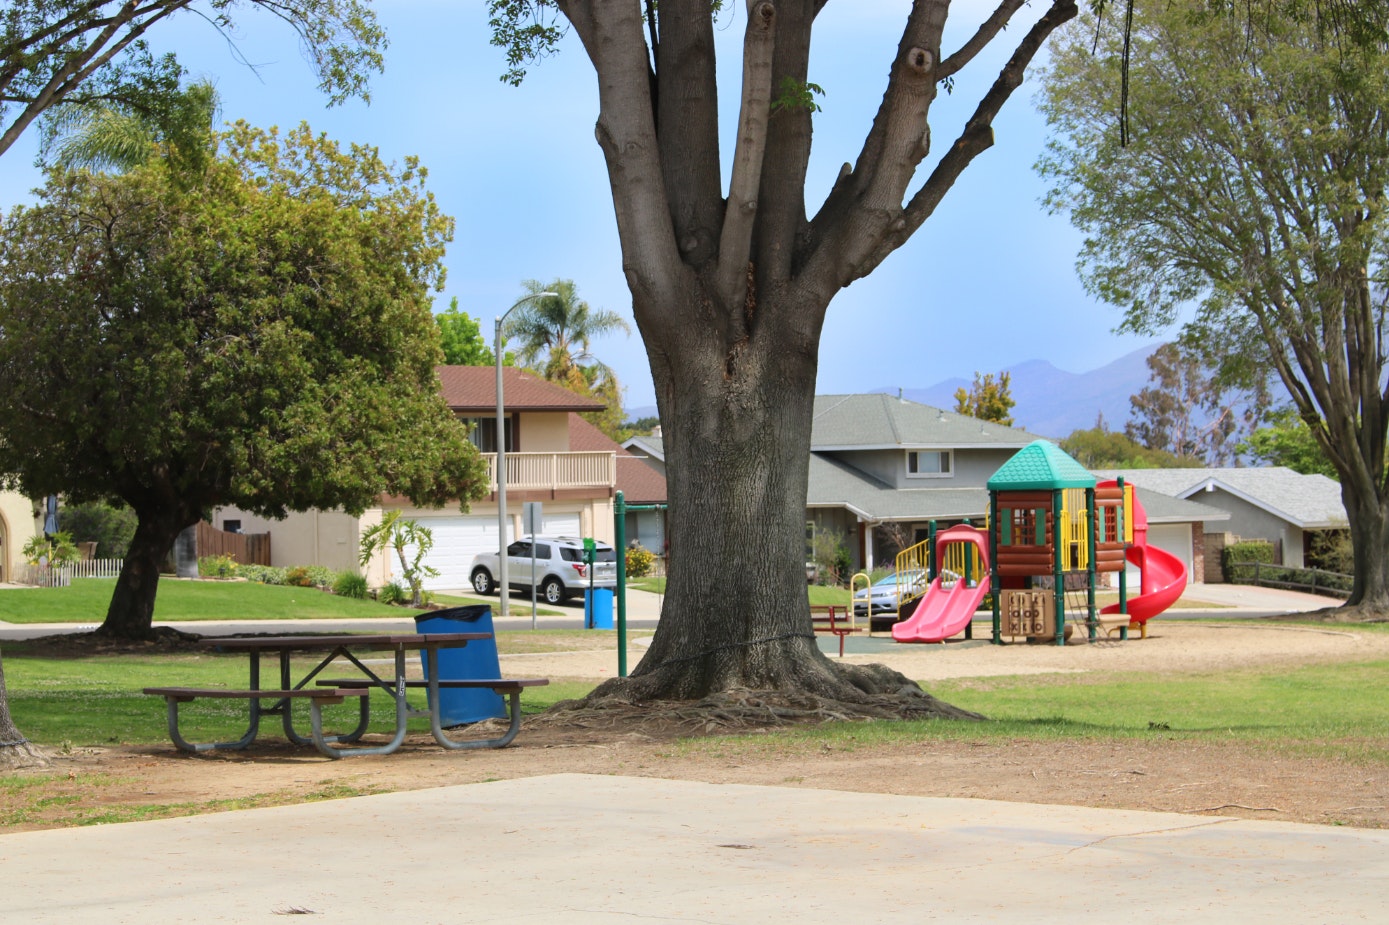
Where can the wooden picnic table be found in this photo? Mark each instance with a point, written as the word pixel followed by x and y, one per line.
pixel 347 646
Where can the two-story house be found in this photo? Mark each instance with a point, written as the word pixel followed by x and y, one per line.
pixel 552 456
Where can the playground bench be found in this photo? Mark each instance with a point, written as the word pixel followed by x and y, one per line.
pixel 824 620
pixel 509 687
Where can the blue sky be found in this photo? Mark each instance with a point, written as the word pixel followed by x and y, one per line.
pixel 988 282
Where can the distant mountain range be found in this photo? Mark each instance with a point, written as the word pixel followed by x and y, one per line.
pixel 1050 402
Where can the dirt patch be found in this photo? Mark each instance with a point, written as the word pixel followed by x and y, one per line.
pixel 1161 773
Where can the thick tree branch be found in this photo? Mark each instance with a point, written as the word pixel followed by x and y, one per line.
pixel 975 138
pixel 986 33
pixel 740 213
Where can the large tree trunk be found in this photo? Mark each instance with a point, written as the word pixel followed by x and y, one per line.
pixel 1369 534
pixel 15 750
pixel 131 612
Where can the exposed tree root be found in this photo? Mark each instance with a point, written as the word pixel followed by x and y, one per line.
pixel 872 692
pixel 1357 613
pixel 23 755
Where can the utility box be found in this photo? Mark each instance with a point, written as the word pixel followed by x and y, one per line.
pixel 478 659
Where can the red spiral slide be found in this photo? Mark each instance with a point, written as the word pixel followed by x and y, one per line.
pixel 1164 575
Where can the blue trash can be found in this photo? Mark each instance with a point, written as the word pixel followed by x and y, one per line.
pixel 598 608
pixel 478 659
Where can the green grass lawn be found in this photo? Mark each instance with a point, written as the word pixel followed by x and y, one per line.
pixel 86 601
pixel 819 594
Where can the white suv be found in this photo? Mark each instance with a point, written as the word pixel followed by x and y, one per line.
pixel 560 567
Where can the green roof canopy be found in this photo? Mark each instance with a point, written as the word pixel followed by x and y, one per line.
pixel 1040 465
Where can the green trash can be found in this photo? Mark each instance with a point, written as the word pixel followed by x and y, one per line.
pixel 478 659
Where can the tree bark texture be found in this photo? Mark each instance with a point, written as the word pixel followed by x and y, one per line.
pixel 15 750
pixel 130 614
pixel 730 293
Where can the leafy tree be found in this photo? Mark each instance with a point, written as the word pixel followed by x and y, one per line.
pixel 109 526
pixel 730 283
pixel 1186 413
pixel 259 338
pixel 1101 448
pixel 411 542
pixel 558 330
pixel 1286 440
pixel 1254 186
pixel 462 340
pixel 989 399
pixel 78 52
pixel 109 135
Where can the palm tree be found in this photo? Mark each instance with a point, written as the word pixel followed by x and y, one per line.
pixel 112 137
pixel 554 323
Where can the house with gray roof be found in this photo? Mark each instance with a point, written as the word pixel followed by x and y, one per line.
pixel 883 468
pixel 1272 503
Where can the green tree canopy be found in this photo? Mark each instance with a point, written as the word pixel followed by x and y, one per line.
pixel 989 399
pixel 1252 190
pixel 1286 440
pixel 462 340
pixel 1101 448
pixel 77 52
pixel 261 338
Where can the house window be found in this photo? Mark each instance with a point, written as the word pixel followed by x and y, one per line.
pixel 483 433
pixel 928 464
pixel 231 526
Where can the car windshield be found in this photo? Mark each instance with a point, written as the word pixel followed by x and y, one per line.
pixel 890 581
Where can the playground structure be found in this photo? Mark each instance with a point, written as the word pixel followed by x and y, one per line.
pixel 1049 519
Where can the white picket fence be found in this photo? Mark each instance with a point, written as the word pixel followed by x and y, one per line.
pixel 45 577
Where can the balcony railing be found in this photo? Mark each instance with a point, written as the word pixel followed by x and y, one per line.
pixel 554 471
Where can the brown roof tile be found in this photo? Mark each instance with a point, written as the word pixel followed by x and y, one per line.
pixel 638 482
pixel 473 389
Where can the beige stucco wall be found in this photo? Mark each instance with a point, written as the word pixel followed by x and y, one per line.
pixel 18 526
pixel 328 538
pixel 544 432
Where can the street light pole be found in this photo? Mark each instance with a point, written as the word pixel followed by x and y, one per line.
pixel 502 577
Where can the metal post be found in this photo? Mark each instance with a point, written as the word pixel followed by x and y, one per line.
pixel 620 536
pixel 502 586
pixel 1124 568
pixel 1091 620
pixel 1058 575
pixel 995 581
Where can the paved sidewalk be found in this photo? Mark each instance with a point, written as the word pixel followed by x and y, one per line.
pixel 594 849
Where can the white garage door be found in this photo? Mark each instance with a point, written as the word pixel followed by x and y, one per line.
pixel 1173 538
pixel 456 540
pixel 562 525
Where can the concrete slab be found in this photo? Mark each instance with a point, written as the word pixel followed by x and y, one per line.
pixel 591 849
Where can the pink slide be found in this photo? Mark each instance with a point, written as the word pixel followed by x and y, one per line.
pixel 942 612
pixel 1164 575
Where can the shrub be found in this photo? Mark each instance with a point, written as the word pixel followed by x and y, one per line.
pixel 298 577
pixel 110 527
pixel 320 576
pixel 830 555
pixel 265 574
pixel 217 566
pixel 350 584
pixel 639 561
pixel 1245 553
pixel 392 593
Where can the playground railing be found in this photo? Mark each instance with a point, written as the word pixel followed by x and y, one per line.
pixel 1312 580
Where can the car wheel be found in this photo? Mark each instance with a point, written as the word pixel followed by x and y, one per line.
pixel 482 581
pixel 553 591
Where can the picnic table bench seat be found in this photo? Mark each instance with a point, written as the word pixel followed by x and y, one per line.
pixel 509 687
pixel 317 696
pixel 831 618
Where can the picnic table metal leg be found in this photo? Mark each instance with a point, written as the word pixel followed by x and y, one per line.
pixel 402 712
pixel 184 745
pixel 513 709
pixel 286 717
